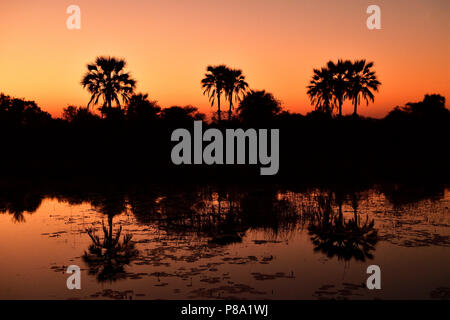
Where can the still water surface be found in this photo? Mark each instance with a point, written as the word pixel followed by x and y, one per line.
pixel 226 243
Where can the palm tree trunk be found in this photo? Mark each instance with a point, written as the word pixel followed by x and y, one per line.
pixel 229 110
pixel 340 108
pixel 218 107
pixel 355 107
pixel 110 222
pixel 341 215
pixel 328 108
pixel 219 207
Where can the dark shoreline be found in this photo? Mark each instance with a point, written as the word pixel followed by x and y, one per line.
pixel 312 152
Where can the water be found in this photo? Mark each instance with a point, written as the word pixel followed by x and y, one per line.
pixel 214 242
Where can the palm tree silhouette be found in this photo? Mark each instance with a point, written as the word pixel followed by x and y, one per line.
pixel 235 85
pixel 362 81
pixel 320 90
pixel 340 72
pixel 107 79
pixel 214 84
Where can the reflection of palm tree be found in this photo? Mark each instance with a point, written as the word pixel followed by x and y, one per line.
pixel 106 79
pixel 235 85
pixel 320 90
pixel 107 257
pixel 334 236
pixel 362 82
pixel 214 84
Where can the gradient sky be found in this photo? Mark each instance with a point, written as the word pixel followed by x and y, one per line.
pixel 169 43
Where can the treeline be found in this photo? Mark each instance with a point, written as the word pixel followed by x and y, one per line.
pixel 130 135
pixel 112 89
pixel 409 143
pixel 256 109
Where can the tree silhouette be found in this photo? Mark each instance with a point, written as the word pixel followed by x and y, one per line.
pixel 214 84
pixel 16 202
pixel 107 79
pixel 345 79
pixel 235 86
pixel 320 90
pixel 176 116
pixel 431 108
pixel 15 112
pixel 363 81
pixel 79 115
pixel 141 110
pixel 340 72
pixel 258 108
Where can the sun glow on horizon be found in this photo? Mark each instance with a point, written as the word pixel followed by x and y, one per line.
pixel 168 45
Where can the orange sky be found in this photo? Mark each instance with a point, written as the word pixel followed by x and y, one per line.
pixel 169 43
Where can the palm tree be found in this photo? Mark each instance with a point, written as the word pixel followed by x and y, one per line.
pixel 340 72
pixel 107 79
pixel 214 84
pixel 362 82
pixel 235 85
pixel 320 90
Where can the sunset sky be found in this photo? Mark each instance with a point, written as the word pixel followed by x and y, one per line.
pixel 169 43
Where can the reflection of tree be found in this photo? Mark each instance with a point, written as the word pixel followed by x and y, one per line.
pixel 405 194
pixel 206 211
pixel 225 225
pixel 262 208
pixel 107 257
pixel 17 202
pixel 111 204
pixel 219 213
pixel 334 236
